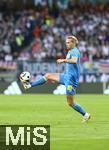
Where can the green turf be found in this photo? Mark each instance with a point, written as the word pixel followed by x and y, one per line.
pixel 67 132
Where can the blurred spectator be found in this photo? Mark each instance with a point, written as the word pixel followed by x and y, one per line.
pixel 8 57
pixel 6 47
pixel 84 57
pixel 105 50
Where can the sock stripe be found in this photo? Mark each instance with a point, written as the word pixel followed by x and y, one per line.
pixel 79 108
pixel 44 78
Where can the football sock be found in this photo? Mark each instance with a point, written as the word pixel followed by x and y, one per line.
pixel 78 108
pixel 42 80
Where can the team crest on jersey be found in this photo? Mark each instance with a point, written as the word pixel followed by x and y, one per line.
pixel 68 56
pixel 70 88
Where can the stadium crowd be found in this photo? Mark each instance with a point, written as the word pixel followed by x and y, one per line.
pixel 39 34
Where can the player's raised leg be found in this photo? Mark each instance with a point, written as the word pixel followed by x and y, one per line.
pixel 42 80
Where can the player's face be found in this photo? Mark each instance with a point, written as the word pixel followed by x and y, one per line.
pixel 69 44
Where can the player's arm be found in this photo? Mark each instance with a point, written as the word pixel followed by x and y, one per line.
pixel 73 60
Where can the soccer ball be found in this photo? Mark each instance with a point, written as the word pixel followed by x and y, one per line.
pixel 25 76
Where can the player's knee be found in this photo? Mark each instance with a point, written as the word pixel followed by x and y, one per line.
pixel 47 75
pixel 70 100
pixel 69 104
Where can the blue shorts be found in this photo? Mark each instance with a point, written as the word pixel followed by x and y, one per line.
pixel 66 80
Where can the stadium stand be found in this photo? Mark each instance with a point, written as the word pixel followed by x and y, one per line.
pixel 44 31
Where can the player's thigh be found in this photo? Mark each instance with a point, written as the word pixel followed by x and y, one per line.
pixel 53 76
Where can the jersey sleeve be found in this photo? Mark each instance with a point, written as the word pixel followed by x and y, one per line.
pixel 74 54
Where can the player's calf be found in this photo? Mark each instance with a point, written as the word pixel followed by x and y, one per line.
pixel 78 108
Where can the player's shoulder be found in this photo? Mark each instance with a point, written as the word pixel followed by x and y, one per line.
pixel 75 50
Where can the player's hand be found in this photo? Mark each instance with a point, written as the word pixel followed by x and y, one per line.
pixel 60 61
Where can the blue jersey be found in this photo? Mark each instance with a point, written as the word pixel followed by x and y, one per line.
pixel 73 70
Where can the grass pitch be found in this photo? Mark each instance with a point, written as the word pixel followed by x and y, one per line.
pixel 67 132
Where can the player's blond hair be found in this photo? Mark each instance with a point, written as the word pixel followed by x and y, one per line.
pixel 73 38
